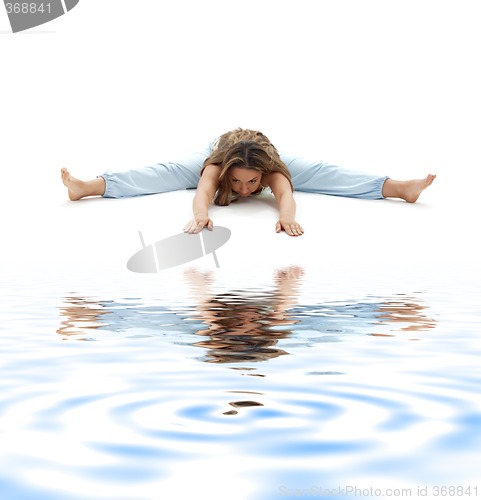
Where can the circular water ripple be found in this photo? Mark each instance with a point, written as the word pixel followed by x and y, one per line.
pixel 130 423
pixel 333 392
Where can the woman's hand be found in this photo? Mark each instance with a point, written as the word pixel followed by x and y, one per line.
pixel 206 189
pixel 282 190
pixel 197 224
pixel 290 226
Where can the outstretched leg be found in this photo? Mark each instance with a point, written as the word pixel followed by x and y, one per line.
pixel 324 178
pixel 406 190
pixel 159 178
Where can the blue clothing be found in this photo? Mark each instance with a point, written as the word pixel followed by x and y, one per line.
pixel 307 176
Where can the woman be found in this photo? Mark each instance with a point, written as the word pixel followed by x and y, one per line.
pixel 242 163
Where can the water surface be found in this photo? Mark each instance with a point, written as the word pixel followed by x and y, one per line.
pixel 268 391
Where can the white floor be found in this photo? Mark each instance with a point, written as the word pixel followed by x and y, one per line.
pixel 386 241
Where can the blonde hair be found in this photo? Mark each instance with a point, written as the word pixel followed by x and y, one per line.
pixel 243 148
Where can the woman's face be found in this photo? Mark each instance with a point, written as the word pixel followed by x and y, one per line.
pixel 244 181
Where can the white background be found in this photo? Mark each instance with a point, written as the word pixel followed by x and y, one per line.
pixel 388 87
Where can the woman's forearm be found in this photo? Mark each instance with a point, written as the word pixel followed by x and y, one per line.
pixel 203 198
pixel 206 190
pixel 287 215
pixel 200 206
pixel 201 203
pixel 287 206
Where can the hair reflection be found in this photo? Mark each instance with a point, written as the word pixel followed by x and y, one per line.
pixel 246 325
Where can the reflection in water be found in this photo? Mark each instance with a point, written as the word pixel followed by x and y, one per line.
pixel 246 325
pixel 243 326
pixel 81 315
pixel 405 311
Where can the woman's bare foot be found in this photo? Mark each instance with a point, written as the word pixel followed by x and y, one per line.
pixel 406 190
pixel 78 189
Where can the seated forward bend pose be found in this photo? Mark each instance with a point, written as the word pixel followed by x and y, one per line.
pixel 241 163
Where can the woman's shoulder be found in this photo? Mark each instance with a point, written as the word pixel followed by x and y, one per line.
pixel 266 180
pixel 212 170
pixel 273 179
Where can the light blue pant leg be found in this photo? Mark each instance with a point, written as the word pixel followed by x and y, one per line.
pixel 323 178
pixel 159 178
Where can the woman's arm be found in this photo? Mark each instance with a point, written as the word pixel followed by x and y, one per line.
pixel 285 201
pixel 208 184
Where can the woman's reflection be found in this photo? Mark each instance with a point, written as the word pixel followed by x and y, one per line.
pixel 81 315
pixel 246 325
